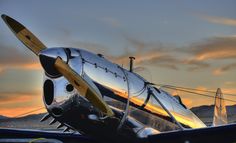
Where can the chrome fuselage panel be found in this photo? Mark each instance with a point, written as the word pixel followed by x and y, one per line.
pixel 112 76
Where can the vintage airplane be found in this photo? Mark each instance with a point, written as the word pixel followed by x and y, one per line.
pixel 87 93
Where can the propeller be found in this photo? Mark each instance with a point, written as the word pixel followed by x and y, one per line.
pixel 36 46
pixel 24 35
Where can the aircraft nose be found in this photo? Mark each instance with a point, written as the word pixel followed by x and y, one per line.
pixel 47 59
pixel 47 63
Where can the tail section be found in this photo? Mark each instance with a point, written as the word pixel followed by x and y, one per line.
pixel 220 113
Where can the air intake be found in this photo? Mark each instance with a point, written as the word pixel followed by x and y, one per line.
pixel 48 92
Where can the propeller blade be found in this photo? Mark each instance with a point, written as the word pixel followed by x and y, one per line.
pixel 45 117
pixel 82 86
pixel 24 35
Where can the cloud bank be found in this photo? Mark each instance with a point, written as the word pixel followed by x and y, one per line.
pixel 219 20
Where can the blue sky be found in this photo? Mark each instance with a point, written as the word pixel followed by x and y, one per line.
pixel 183 42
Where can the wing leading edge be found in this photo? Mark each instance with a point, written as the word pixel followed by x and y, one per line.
pixel 219 134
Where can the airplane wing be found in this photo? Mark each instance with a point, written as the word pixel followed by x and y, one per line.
pixel 32 136
pixel 219 134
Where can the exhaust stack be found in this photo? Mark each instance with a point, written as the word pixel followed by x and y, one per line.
pixel 131 60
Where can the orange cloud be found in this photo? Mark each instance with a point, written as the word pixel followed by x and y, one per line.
pixel 16 99
pixel 140 57
pixel 13 104
pixel 188 102
pixel 229 90
pixel 13 112
pixel 27 66
pixel 219 20
pixel 194 56
pixel 216 54
pixel 201 89
pixel 32 66
pixel 203 54
pixel 214 48
pixel 230 83
pixel 202 100
pixel 194 100
pixel 217 72
pixel 217 48
pixel 222 70
pixel 148 54
pixel 1 70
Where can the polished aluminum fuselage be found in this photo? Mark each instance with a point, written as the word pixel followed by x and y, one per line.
pixel 111 81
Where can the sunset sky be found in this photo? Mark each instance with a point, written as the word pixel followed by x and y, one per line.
pixel 183 42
